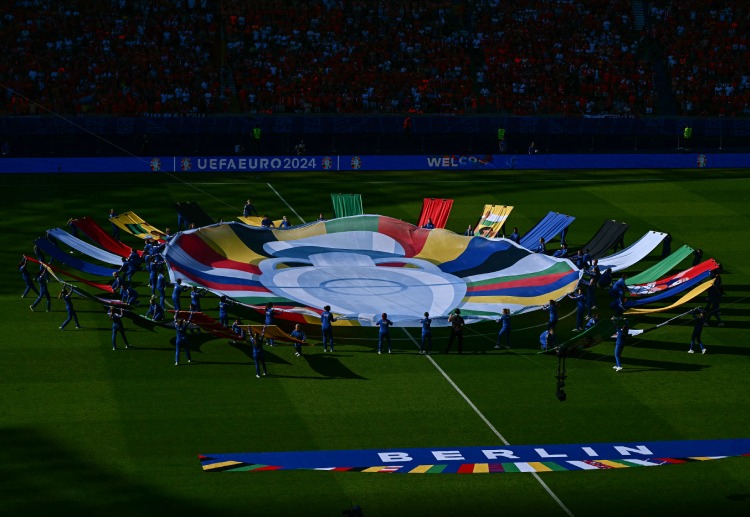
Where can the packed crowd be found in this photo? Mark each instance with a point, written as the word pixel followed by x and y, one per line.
pixel 454 57
pixel 110 57
pixel 706 48
pixel 528 57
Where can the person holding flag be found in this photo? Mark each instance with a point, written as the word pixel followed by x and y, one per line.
pixel 384 334
pixel 66 294
pixel 699 321
pixel 505 329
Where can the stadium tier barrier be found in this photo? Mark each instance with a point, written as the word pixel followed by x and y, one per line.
pixel 338 163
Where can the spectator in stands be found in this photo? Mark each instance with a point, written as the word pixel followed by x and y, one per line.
pixel 533 149
pixel 300 148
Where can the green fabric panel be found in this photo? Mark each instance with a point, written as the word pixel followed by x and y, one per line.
pixel 369 223
pixel 659 269
pixel 345 205
pixel 554 466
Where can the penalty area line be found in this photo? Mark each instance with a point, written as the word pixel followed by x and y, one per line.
pixel 287 204
pixel 488 423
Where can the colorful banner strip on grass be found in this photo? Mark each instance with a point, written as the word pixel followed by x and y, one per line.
pixel 484 460
pixel 492 221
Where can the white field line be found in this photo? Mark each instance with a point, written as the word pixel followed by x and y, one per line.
pixel 463 395
pixel 489 424
pixel 287 204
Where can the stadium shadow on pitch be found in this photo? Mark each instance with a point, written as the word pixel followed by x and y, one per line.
pixel 329 367
pixel 43 477
pixel 682 347
pixel 645 365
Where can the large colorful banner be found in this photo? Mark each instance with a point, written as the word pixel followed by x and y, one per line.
pixel 365 265
pixel 493 459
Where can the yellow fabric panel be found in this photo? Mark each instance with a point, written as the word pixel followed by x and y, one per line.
pixel 481 468
pixel 539 467
pixel 120 224
pixel 420 469
pixel 253 220
pixel 442 246
pixel 612 464
pixel 374 469
pixel 272 332
pixel 314 320
pixel 131 218
pixel 697 290
pixel 225 242
pixel 310 230
pixel 220 465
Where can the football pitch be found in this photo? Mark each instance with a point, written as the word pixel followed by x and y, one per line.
pixel 88 430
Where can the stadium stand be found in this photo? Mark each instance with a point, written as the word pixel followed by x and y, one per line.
pixel 199 57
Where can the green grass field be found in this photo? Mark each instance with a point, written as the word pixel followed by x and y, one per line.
pixel 85 430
